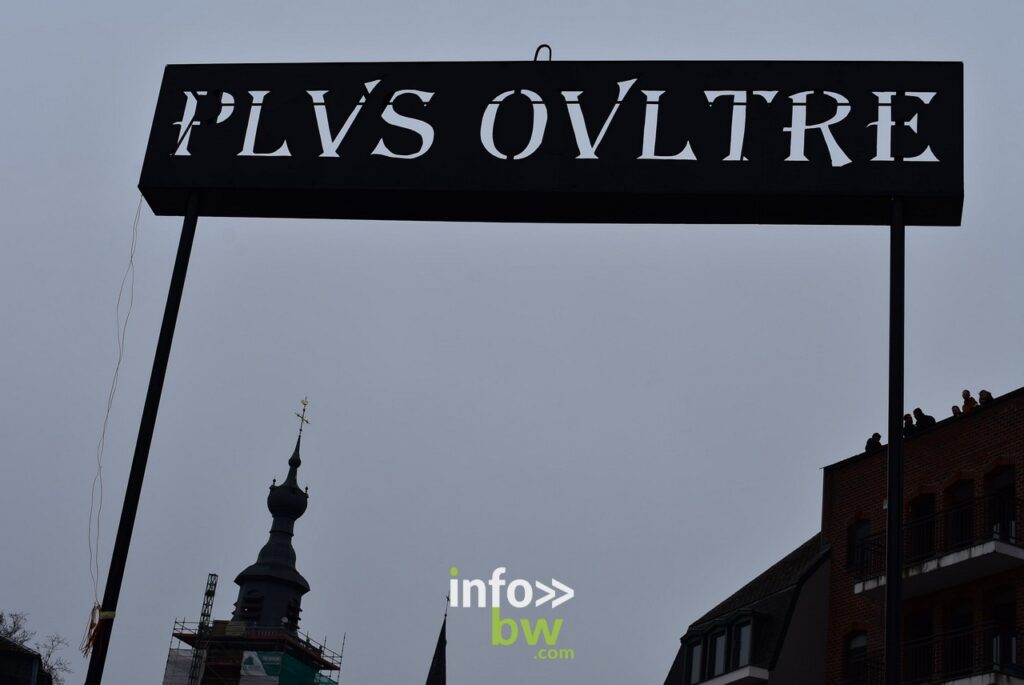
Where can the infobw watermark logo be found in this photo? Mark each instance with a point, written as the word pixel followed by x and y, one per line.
pixel 542 633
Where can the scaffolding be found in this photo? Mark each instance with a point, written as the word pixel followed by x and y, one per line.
pixel 238 654
pixel 195 671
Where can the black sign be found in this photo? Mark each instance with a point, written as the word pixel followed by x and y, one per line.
pixel 624 142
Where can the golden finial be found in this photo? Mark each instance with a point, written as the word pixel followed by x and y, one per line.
pixel 302 417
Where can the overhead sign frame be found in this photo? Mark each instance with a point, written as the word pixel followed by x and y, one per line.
pixel 608 142
pixel 875 143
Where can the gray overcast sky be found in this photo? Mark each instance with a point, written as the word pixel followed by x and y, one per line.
pixel 640 412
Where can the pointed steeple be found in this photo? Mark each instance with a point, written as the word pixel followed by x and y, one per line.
pixel 438 673
pixel 288 499
pixel 270 591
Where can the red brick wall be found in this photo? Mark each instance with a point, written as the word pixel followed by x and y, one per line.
pixel 969 447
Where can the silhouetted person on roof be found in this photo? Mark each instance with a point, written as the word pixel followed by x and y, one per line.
pixel 956 410
pixel 923 420
pixel 874 443
pixel 984 397
pixel 969 402
pixel 908 426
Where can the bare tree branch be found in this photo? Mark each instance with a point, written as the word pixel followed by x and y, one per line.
pixel 14 627
pixel 54 664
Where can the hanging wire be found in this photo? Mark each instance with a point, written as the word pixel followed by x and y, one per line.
pixel 536 53
pixel 96 494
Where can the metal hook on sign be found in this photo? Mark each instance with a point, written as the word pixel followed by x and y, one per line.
pixel 536 54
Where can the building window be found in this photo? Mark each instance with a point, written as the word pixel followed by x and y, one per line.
pixel 741 634
pixel 1002 610
pixel 856 544
pixel 716 654
pixel 960 639
pixel 694 652
pixel 919 648
pixel 921 528
pixel 960 515
pixel 1001 504
pixel 854 670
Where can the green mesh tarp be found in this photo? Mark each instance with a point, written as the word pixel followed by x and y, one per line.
pixel 277 668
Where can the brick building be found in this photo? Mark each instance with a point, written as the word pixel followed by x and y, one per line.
pixel 963 573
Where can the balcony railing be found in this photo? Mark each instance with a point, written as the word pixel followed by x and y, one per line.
pixel 994 517
pixel 943 658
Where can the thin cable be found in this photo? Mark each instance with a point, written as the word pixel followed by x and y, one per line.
pixel 96 495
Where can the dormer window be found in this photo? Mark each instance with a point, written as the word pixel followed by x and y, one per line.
pixel 741 636
pixel 716 654
pixel 694 663
pixel 722 649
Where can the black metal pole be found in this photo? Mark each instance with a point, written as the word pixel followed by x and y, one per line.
pixel 112 591
pixel 894 511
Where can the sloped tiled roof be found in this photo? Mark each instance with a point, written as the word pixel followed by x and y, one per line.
pixel 784 575
pixel 7 645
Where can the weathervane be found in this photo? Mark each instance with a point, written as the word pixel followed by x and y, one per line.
pixel 302 417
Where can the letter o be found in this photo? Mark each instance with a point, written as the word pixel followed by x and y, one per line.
pixel 527 593
pixel 540 122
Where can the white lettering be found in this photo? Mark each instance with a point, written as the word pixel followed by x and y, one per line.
pixel 651 130
pixel 927 155
pixel 249 144
pixel 329 144
pixel 527 591
pixel 188 121
pixel 739 117
pixel 797 131
pixel 540 122
pixel 227 107
pixel 496 583
pixel 453 592
pixel 588 148
pixel 884 124
pixel 421 128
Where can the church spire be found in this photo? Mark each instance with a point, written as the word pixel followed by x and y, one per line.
pixel 302 417
pixel 270 591
pixel 295 462
pixel 438 673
